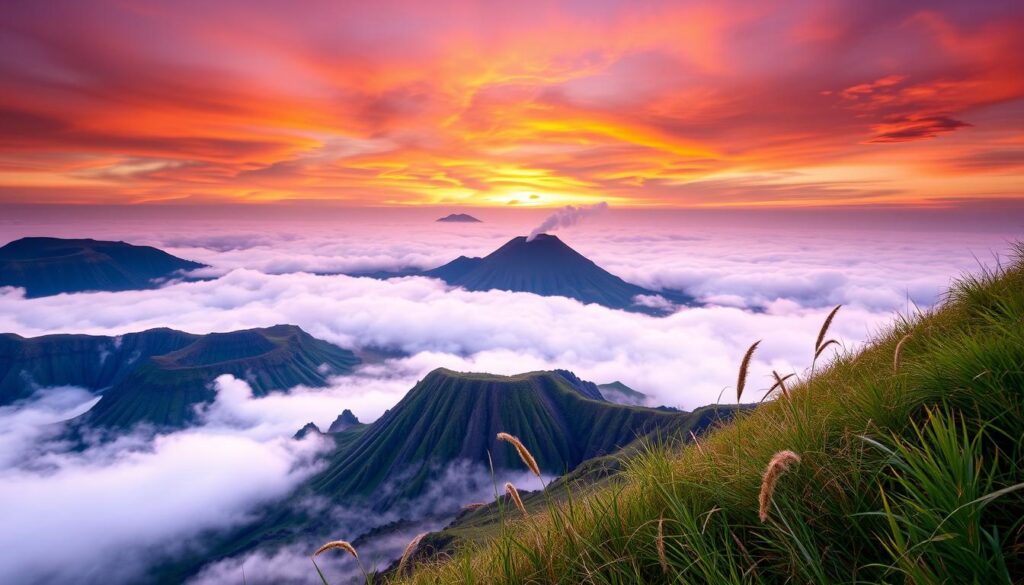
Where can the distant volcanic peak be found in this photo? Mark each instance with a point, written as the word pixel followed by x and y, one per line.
pixel 459 218
pixel 48 266
pixel 32 248
pixel 546 266
pixel 37 248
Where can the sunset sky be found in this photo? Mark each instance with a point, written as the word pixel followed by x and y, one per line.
pixel 717 104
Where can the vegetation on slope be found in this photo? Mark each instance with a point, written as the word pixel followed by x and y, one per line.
pixel 909 471
pixel 50 266
pixel 454 416
pixel 163 390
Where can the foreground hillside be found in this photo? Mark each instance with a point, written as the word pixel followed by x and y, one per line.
pixel 898 464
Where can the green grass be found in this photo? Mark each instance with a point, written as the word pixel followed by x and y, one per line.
pixel 907 476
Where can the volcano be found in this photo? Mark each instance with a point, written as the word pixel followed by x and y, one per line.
pixel 159 376
pixel 164 390
pixel 459 218
pixel 455 416
pixel 546 266
pixel 447 419
pixel 50 266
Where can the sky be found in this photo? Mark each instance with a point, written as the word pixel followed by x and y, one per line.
pixel 397 103
pixel 771 159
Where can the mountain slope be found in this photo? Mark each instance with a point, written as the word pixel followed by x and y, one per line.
pixel 158 376
pixel 164 390
pixel 546 266
pixel 620 393
pixel 449 418
pixel 49 266
pixel 909 471
pixel 94 362
pixel 452 416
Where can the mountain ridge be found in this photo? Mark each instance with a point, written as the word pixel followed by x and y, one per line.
pixel 546 266
pixel 158 375
pixel 46 266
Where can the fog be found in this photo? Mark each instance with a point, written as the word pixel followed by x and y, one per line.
pixel 103 514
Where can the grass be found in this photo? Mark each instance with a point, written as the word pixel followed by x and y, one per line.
pixel 910 472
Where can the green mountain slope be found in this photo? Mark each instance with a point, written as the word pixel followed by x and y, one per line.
pixel 448 419
pixel 903 465
pixel 451 416
pixel 622 394
pixel 94 362
pixel 158 376
pixel 49 266
pixel 477 526
pixel 164 390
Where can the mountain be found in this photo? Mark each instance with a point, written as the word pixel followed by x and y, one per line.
pixel 621 394
pixel 345 421
pixel 451 416
pixel 547 266
pixel 380 470
pixel 93 362
pixel 459 218
pixel 164 390
pixel 158 376
pixel 49 266
pixel 307 430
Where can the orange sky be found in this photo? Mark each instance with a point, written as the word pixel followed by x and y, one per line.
pixel 744 104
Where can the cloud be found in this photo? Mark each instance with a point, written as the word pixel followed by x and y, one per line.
pixel 907 128
pixel 572 102
pixel 106 513
pixel 29 425
pixel 757 282
pixel 453 486
pixel 774 283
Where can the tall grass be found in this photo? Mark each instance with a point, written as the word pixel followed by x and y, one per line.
pixel 910 472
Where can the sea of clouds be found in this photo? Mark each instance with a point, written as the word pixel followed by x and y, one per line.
pixel 103 513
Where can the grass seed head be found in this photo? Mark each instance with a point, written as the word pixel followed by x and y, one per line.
pixel 339 544
pixel 898 353
pixel 409 550
pixel 741 379
pixel 824 329
pixel 514 494
pixel 779 464
pixel 524 453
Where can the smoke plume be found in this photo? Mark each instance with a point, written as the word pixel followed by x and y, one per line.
pixel 567 216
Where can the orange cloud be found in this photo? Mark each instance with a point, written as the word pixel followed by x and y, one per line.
pixel 405 103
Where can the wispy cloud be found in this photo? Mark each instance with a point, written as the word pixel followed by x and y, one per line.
pixel 539 104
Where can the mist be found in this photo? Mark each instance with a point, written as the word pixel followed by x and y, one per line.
pixel 68 514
